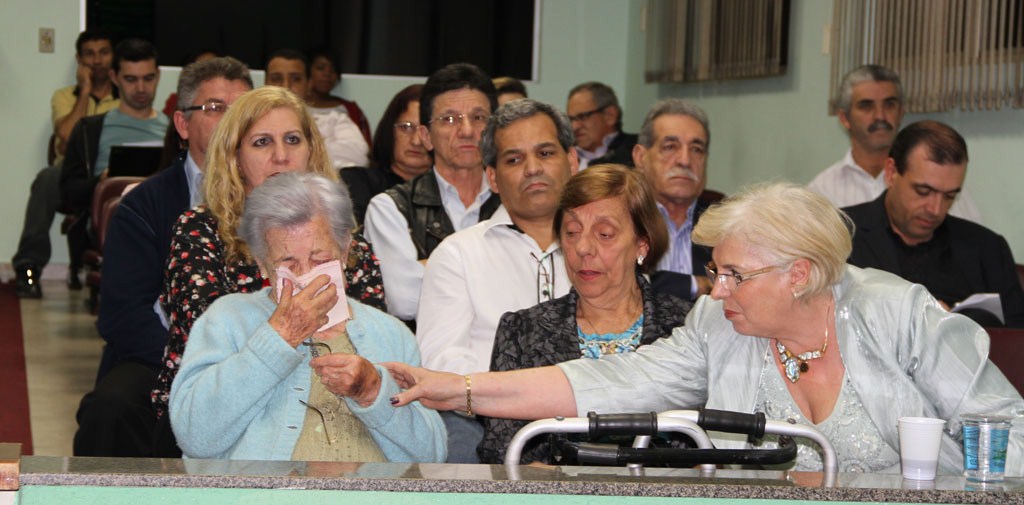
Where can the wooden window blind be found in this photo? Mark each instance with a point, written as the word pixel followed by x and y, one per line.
pixel 949 54
pixel 702 40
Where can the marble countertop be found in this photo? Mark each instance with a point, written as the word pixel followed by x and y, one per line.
pixel 443 478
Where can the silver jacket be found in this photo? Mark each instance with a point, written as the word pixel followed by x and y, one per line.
pixel 904 354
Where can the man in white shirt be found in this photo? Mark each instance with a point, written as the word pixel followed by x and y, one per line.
pixel 406 222
pixel 870 108
pixel 509 262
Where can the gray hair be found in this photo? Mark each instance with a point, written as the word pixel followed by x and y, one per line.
pixel 865 73
pixel 603 97
pixel 672 106
pixel 785 222
pixel 195 74
pixel 521 109
pixel 292 199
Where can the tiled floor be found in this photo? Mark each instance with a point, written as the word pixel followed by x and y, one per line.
pixel 62 352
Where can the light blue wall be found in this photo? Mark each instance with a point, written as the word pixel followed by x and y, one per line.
pixel 27 80
pixel 778 128
pixel 761 128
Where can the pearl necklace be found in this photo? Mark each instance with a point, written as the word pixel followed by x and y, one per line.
pixel 795 365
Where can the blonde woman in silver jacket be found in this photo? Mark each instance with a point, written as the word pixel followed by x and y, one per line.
pixel 789 329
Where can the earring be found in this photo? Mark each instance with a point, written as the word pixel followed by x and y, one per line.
pixel 640 260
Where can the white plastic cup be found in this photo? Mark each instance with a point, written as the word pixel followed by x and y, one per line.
pixel 920 439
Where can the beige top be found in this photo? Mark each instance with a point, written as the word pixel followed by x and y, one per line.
pixel 63 102
pixel 330 431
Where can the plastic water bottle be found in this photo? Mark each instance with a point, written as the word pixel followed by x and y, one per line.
pixel 986 438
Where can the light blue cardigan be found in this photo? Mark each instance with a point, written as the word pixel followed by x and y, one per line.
pixel 237 393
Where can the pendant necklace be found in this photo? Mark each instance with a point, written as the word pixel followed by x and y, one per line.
pixel 795 365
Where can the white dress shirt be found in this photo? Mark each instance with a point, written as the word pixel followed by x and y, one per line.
pixel 845 183
pixel 346 145
pixel 586 157
pixel 474 277
pixel 386 228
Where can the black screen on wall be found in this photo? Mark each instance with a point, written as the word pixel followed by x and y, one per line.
pixel 386 37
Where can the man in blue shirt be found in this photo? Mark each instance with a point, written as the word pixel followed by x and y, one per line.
pixel 672 153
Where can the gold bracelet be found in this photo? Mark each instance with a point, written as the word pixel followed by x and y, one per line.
pixel 469 396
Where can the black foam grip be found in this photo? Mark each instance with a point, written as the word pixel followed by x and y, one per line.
pixel 732 422
pixel 622 424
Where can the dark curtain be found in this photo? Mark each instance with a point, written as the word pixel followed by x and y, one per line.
pixel 387 37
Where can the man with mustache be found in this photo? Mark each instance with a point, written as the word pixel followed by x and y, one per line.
pixel 870 108
pixel 509 262
pixel 672 154
pixel 907 231
pixel 92 94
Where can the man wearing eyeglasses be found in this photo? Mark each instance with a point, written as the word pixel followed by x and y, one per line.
pixel 672 154
pixel 406 222
pixel 597 125
pixel 117 417
pixel 509 262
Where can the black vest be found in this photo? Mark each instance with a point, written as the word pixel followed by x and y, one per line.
pixel 419 200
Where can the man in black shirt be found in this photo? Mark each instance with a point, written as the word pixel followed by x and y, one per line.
pixel 907 230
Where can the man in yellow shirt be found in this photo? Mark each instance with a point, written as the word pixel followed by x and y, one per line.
pixel 93 93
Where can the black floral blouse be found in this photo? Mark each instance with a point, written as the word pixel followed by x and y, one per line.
pixel 197 275
pixel 545 334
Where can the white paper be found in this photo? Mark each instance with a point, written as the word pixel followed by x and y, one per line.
pixel 332 269
pixel 985 301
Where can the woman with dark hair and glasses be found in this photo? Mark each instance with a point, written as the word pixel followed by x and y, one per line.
pixel 287 372
pixel 790 330
pixel 611 233
pixel 398 153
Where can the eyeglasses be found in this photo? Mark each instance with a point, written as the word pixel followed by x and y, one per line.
pixel 316 347
pixel 545 281
pixel 406 127
pixel 476 119
pixel 711 270
pixel 209 108
pixel 582 116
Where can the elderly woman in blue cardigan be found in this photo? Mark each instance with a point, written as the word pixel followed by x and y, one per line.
pixel 288 372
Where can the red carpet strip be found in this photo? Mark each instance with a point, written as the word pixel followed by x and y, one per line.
pixel 14 419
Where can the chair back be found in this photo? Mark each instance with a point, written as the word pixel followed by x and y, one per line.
pixel 1007 352
pixel 106 189
pixel 711 196
pixel 104 218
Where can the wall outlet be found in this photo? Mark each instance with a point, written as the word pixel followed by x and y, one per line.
pixel 46 40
